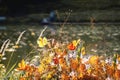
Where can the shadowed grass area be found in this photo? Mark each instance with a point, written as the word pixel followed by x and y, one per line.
pixel 110 15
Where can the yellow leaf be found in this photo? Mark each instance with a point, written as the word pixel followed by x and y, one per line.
pixel 75 42
pixel 80 75
pixel 41 68
pixel 89 71
pixel 83 50
pixel 49 76
pixel 119 58
pixel 21 65
pixel 78 40
pixel 32 33
pixel 42 41
pixel 16 46
pixel 94 60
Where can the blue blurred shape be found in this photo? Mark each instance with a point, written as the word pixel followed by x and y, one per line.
pixel 49 22
pixel 2 18
pixel 51 18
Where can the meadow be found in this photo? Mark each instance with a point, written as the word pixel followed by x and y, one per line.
pixel 70 52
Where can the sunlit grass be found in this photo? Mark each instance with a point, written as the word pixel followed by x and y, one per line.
pixel 50 58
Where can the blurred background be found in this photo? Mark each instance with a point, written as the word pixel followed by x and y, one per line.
pixel 94 21
pixel 82 10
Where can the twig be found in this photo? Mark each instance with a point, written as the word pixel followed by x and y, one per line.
pixel 66 20
pixel 42 32
pixel 18 40
pixel 4 46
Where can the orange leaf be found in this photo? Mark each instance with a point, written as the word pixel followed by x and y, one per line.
pixel 71 46
pixel 21 65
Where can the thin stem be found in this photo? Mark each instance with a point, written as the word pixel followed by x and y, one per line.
pixel 4 46
pixel 42 32
pixel 66 20
pixel 17 42
pixel 19 38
